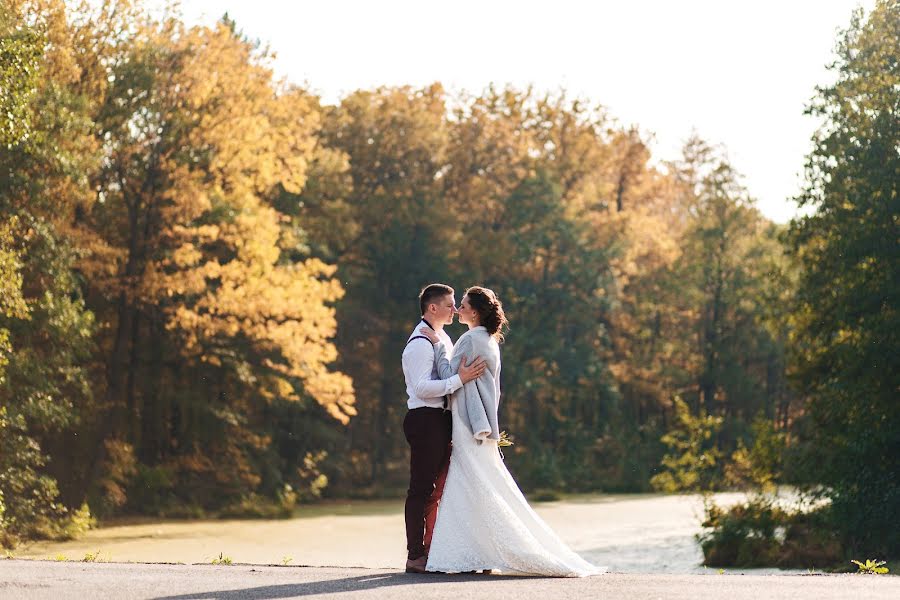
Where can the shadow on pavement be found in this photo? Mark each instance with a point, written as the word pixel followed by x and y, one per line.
pixel 333 586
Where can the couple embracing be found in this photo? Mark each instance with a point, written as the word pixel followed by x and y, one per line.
pixel 484 522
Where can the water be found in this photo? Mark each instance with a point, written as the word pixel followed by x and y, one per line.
pixel 634 533
pixel 644 533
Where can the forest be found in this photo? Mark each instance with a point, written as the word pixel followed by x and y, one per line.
pixel 208 274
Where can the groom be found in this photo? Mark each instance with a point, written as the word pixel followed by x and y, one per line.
pixel 428 425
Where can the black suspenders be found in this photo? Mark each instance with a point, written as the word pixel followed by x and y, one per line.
pixel 422 337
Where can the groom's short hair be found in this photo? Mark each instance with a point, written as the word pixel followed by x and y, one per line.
pixel 432 292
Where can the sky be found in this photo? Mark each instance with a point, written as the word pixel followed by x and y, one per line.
pixel 738 72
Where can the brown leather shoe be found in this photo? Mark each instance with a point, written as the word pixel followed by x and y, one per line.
pixel 417 565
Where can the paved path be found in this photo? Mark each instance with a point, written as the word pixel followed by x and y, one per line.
pixel 34 579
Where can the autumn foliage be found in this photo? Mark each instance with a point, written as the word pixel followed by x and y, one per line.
pixel 208 276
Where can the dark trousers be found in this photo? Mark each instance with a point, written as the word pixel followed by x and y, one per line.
pixel 428 432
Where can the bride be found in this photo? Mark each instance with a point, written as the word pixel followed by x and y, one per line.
pixel 484 521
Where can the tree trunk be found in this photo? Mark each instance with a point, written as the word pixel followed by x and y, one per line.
pixel 134 411
pixel 155 413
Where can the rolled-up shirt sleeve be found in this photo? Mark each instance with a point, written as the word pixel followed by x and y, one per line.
pixel 418 358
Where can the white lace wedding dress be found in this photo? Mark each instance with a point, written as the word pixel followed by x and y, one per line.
pixel 484 521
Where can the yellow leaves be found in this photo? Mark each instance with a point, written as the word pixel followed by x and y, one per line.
pixel 188 197
pixel 261 136
pixel 198 137
pixel 186 255
pixel 257 234
pixel 650 243
pixel 334 391
pixel 282 309
pixel 284 388
pixel 211 269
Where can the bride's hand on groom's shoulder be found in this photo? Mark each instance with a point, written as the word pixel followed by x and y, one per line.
pixel 430 335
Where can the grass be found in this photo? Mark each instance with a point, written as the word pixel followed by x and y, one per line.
pixel 222 560
pixel 323 508
pixel 91 556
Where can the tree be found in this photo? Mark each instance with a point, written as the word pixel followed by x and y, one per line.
pixel 692 462
pixel 204 324
pixel 393 241
pixel 519 182
pixel 45 331
pixel 726 272
pixel 847 325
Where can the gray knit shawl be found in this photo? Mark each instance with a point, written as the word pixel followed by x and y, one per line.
pixel 477 401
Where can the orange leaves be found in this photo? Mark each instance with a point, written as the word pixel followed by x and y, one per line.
pixel 282 310
pixel 198 135
pixel 262 135
pixel 186 255
pixel 335 392
pixel 652 244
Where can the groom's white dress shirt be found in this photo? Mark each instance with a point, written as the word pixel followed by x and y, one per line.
pixel 422 384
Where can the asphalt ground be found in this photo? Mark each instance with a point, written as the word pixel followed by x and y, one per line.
pixel 38 579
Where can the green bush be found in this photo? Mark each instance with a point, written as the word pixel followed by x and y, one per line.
pixel 760 534
pixel 745 535
pixel 29 499
pixel 692 461
pixel 151 489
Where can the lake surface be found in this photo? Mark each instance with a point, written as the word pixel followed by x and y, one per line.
pixel 645 533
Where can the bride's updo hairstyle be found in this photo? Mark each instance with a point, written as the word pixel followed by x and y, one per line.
pixel 489 309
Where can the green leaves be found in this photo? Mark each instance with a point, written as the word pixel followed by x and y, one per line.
pixel 692 463
pixel 20 52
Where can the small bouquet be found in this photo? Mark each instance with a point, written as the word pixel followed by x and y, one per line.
pixel 503 441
